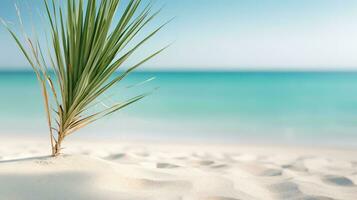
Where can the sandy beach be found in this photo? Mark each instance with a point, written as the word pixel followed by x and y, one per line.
pixel 178 100
pixel 102 170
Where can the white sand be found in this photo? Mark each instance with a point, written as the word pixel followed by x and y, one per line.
pixel 143 171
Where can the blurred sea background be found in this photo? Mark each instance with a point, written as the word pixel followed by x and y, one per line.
pixel 315 108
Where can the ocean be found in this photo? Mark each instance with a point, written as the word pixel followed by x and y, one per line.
pixel 236 107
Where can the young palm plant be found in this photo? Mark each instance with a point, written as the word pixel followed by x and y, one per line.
pixel 86 49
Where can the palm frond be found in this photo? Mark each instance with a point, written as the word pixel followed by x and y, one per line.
pixel 86 50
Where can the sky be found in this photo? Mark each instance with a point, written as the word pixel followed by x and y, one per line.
pixel 233 35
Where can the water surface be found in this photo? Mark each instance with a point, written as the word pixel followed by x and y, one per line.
pixel 282 107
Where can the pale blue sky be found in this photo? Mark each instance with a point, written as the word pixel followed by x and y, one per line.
pixel 237 34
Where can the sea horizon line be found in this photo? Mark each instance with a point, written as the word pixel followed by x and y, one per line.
pixel 216 70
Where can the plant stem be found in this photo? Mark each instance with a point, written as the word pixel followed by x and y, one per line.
pixel 52 143
pixel 57 148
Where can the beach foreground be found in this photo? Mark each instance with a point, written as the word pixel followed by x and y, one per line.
pixel 158 171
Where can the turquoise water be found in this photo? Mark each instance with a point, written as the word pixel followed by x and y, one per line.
pixel 280 107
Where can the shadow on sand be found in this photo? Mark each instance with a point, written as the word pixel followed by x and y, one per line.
pixel 63 185
pixel 25 159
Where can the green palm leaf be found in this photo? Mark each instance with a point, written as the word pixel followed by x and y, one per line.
pixel 86 50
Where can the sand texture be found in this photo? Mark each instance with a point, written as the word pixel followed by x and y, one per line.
pixel 157 171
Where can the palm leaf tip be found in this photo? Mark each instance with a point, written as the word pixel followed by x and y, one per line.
pixel 86 49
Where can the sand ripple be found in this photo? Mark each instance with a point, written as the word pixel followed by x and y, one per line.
pixel 164 172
